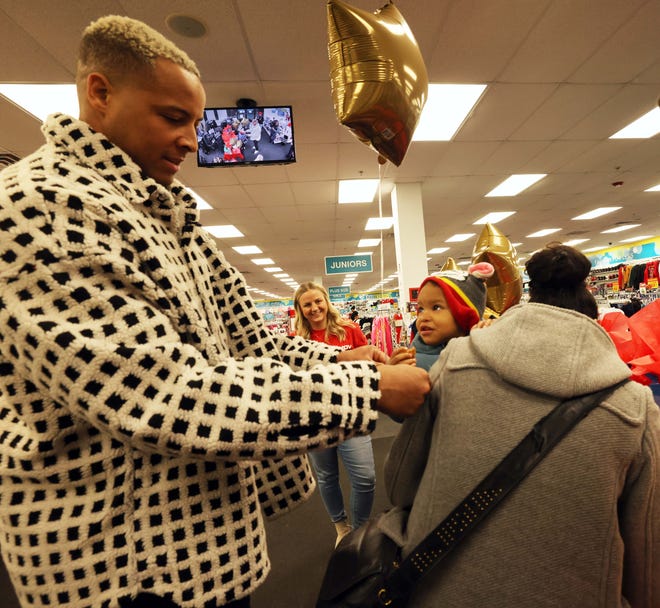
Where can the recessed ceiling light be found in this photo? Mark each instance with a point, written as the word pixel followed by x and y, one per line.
pixel 636 238
pixel 262 261
pixel 437 250
pixel 644 127
pixel 494 216
pixel 224 232
pixel 201 203
pixel 620 228
pixel 40 100
pixel 515 184
pixel 379 223
pixel 185 25
pixel 368 242
pixel 544 232
pixel 653 189
pixel 445 110
pixel 247 249
pixel 575 242
pixel 590 215
pixel 594 248
pixel 273 269
pixel 458 238
pixel 357 190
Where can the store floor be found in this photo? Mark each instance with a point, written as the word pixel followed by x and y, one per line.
pixel 299 543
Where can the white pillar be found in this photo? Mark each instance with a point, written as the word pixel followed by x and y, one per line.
pixel 409 238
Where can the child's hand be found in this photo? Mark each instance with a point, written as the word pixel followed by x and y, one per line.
pixel 402 356
pixel 483 323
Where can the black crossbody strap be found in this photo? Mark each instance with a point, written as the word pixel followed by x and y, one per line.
pixel 513 468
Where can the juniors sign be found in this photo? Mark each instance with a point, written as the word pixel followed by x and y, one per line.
pixel 342 264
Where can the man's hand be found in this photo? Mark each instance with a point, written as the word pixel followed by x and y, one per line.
pixel 402 389
pixel 362 353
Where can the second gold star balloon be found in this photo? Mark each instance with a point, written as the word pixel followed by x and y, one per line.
pixel 379 80
pixel 504 288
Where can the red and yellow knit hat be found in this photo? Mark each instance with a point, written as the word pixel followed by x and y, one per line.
pixel 465 292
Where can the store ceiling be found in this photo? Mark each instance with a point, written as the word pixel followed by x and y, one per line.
pixel 562 76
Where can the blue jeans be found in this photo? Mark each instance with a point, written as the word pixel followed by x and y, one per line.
pixel 358 458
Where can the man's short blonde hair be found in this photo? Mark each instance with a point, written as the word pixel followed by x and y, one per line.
pixel 120 47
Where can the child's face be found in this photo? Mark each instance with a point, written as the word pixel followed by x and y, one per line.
pixel 435 323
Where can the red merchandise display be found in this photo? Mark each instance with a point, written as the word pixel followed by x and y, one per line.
pixel 637 340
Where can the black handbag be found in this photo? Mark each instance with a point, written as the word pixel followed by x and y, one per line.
pixel 365 570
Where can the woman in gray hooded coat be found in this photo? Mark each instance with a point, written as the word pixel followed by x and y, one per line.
pixel 583 529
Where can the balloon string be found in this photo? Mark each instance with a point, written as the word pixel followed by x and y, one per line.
pixel 380 216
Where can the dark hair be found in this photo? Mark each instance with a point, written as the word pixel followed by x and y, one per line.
pixel 557 275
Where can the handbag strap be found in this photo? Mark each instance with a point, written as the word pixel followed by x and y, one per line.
pixel 483 499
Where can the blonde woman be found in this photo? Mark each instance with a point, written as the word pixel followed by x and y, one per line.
pixel 317 319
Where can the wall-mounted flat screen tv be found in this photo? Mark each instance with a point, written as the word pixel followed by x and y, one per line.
pixel 230 137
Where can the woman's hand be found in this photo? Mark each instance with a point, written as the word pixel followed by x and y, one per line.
pixel 362 353
pixel 402 356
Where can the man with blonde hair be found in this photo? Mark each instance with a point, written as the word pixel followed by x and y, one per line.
pixel 148 417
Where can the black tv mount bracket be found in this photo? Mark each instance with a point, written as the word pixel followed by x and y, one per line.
pixel 246 102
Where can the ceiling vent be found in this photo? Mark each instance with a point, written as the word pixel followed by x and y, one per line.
pixel 7 158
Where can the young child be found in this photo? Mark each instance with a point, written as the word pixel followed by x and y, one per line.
pixel 449 304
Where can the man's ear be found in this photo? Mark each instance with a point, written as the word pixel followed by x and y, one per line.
pixel 97 91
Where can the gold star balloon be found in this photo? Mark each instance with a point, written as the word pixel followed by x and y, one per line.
pixel 379 80
pixel 504 288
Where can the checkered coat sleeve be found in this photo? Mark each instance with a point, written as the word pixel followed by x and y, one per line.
pixel 146 412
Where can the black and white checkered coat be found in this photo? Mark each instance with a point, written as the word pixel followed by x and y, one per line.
pixel 146 412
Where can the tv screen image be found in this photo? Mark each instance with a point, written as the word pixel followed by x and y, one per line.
pixel 228 137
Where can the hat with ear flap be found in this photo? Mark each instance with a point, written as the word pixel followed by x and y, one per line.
pixel 465 292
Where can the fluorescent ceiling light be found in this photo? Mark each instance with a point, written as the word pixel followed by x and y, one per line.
pixel 620 228
pixel 357 190
pixel 575 242
pixel 224 232
pixel 437 250
pixel 636 238
pixel 516 244
pixel 464 263
pixel 247 249
pixel 201 203
pixel 594 248
pixel 653 189
pixel 459 238
pixel 379 223
pixel 445 110
pixel 644 127
pixel 282 275
pixel 273 269
pixel 368 242
pixel 494 216
pixel 544 232
pixel 515 184
pixel 262 261
pixel 40 100
pixel 590 215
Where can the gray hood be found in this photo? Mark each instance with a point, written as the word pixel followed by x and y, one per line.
pixel 527 347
